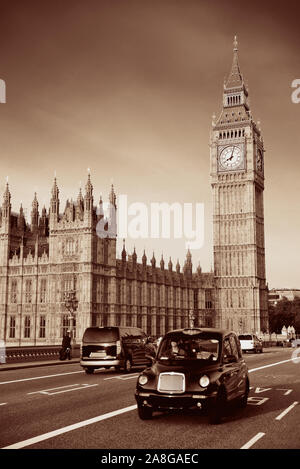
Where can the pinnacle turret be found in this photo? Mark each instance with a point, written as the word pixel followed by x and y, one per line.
pixel 35 214
pixel 54 208
pixel 6 206
pixel 21 219
pixel 235 78
pixel 112 196
pixel 124 253
pixel 88 198
pixel 144 259
pixel 235 97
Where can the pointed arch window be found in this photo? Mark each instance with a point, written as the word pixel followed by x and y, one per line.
pixel 13 298
pixel 28 291
pixel 27 327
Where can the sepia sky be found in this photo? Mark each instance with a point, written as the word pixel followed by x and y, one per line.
pixel 128 88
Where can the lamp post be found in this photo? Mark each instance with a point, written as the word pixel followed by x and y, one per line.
pixel 191 320
pixel 71 303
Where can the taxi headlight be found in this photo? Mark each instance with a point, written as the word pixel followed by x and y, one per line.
pixel 204 381
pixel 143 380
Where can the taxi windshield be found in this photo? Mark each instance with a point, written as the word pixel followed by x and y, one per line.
pixel 195 348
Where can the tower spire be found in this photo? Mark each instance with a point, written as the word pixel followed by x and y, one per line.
pixel 35 214
pixel 6 206
pixel 235 44
pixel 55 201
pixel 88 198
pixel 235 78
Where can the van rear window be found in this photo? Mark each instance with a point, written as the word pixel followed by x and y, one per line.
pixel 245 337
pixel 101 335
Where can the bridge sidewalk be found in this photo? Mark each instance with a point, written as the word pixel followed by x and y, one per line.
pixel 16 366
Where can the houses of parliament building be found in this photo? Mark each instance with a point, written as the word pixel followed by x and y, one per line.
pixel 58 252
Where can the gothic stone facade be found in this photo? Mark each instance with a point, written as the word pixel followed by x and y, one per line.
pixel 237 179
pixel 56 253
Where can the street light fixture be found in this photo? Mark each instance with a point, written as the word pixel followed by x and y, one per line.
pixel 191 320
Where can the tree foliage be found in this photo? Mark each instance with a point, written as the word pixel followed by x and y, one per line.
pixel 284 313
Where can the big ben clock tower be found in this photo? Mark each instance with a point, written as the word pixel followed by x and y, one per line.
pixel 237 179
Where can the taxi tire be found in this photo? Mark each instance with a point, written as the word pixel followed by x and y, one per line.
pixel 89 371
pixel 145 413
pixel 127 365
pixel 244 399
pixel 217 411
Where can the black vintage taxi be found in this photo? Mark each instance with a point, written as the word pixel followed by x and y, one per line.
pixel 199 368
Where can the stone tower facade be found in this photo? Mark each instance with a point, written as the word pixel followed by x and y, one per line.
pixel 237 180
pixel 43 259
pixel 75 249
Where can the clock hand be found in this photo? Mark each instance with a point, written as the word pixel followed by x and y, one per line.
pixel 230 158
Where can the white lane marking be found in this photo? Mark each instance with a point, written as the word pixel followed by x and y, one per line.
pixel 41 377
pixel 3 403
pixel 257 400
pixel 69 428
pixel 132 375
pixel 46 436
pixel 271 364
pixel 45 390
pixel 286 411
pixel 288 391
pixel 258 390
pixel 61 389
pixel 114 377
pixel 127 377
pixel 83 386
pixel 253 440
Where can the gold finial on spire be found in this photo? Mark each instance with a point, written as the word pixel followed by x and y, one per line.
pixel 235 44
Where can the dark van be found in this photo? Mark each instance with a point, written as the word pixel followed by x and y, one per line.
pixel 120 347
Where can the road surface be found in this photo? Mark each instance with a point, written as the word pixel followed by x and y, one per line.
pixel 61 407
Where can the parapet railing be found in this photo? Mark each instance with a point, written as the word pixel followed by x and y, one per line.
pixel 33 353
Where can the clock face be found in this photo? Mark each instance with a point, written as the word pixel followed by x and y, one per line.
pixel 231 157
pixel 259 160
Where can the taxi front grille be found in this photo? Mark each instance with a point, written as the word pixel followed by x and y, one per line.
pixel 172 383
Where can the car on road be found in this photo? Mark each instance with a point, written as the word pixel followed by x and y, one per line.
pixel 197 368
pixel 251 343
pixel 295 342
pixel 119 347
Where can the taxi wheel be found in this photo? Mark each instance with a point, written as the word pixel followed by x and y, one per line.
pixel 127 365
pixel 89 371
pixel 145 413
pixel 217 412
pixel 244 399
